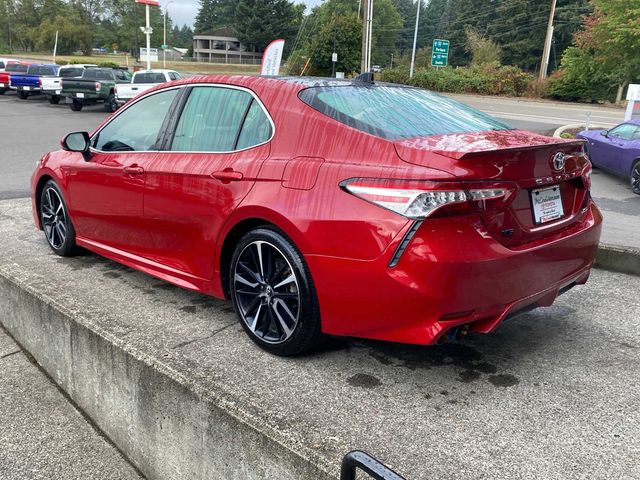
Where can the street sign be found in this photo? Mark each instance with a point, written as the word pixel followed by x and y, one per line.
pixel 334 57
pixel 439 53
pixel 441 46
pixel 153 57
pixel 438 60
pixel 164 47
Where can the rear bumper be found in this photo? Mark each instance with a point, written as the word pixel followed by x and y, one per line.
pixel 451 273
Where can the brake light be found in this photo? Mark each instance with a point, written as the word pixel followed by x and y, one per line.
pixel 418 199
pixel 40 82
pixel 98 86
pixel 586 177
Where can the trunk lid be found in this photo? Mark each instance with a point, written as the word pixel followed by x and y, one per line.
pixel 521 159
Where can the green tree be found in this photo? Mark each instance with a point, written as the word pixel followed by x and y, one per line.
pixel 483 50
pixel 72 35
pixel 214 14
pixel 346 30
pixel 258 22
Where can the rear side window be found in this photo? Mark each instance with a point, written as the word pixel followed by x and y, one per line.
pixel 211 120
pixel 104 75
pixel 256 128
pixel 397 112
pixel 1 64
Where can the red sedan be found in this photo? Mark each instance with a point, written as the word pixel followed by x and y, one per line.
pixel 327 207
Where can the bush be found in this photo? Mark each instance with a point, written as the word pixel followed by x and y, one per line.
pixel 489 79
pixel 108 65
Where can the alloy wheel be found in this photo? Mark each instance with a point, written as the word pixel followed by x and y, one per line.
pixel 266 292
pixel 635 178
pixel 54 218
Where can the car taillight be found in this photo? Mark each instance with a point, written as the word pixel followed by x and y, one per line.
pixel 115 90
pixel 586 178
pixel 40 82
pixel 98 86
pixel 418 199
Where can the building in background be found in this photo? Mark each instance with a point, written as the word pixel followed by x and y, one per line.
pixel 222 46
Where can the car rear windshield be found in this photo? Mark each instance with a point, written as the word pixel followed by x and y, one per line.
pixel 394 112
pixel 17 68
pixel 149 77
pixel 71 72
pixel 41 70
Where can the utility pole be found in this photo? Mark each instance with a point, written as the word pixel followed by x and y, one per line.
pixel 365 33
pixel 415 40
pixel 544 64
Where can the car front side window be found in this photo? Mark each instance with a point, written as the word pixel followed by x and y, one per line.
pixel 137 128
pixel 623 132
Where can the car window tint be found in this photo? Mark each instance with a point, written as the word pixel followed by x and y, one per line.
pixel 17 68
pixel 256 128
pixel 211 120
pixel 89 74
pixel 174 76
pixel 397 112
pixel 71 72
pixel 1 64
pixel 137 127
pixel 624 131
pixel 636 134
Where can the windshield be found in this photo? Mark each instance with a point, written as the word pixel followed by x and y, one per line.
pixel 394 112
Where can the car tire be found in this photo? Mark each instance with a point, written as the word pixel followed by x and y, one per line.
pixel 22 95
pixel 54 100
pixel 75 105
pixel 55 220
pixel 2 90
pixel 273 293
pixel 110 104
pixel 635 177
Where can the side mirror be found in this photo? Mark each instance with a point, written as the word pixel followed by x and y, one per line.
pixel 604 133
pixel 78 142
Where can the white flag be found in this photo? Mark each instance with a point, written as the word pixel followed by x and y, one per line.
pixel 271 58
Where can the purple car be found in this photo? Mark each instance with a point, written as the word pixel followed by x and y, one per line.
pixel 617 150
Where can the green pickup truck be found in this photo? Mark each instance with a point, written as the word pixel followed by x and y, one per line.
pixel 95 85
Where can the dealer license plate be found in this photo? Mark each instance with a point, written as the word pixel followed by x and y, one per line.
pixel 79 95
pixel 1 85
pixel 547 204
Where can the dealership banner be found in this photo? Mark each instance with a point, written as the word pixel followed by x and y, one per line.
pixel 271 58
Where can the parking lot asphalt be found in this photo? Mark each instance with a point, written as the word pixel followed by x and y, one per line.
pixel 552 394
pixel 42 436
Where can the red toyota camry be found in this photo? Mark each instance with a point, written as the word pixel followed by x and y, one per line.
pixel 327 207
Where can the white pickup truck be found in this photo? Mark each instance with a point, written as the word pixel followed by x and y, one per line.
pixel 141 81
pixel 51 86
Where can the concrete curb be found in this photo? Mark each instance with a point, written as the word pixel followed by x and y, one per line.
pixel 168 426
pixel 560 130
pixel 618 259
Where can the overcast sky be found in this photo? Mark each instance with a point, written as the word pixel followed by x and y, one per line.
pixel 184 11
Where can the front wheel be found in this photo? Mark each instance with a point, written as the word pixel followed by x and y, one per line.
pixel 55 220
pixel 110 104
pixel 635 177
pixel 273 293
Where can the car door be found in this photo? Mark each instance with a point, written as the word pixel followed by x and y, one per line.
pixel 107 190
pixel 213 155
pixel 613 147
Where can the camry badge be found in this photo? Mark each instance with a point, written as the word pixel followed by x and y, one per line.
pixel 559 159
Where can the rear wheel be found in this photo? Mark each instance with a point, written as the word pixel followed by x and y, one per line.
pixel 2 90
pixel 76 105
pixel 55 220
pixel 54 100
pixel 23 95
pixel 635 177
pixel 110 104
pixel 273 293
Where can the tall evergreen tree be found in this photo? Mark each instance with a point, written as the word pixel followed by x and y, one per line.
pixel 214 14
pixel 258 22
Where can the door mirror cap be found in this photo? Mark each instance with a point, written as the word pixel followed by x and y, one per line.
pixel 78 142
pixel 604 133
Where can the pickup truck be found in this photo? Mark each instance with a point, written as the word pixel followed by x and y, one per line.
pixel 3 63
pixel 30 83
pixel 95 85
pixel 143 80
pixel 51 86
pixel 11 68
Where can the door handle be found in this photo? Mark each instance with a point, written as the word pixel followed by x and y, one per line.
pixel 133 170
pixel 228 175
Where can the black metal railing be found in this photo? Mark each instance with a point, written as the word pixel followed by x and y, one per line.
pixel 360 460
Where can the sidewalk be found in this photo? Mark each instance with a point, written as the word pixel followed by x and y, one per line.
pixel 42 436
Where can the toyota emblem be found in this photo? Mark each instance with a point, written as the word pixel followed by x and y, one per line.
pixel 559 159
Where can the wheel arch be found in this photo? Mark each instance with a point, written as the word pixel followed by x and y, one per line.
pixel 240 225
pixel 42 181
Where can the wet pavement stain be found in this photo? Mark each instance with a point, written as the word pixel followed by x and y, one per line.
pixel 468 376
pixel 189 308
pixel 503 380
pixel 112 274
pixel 163 286
pixel 364 380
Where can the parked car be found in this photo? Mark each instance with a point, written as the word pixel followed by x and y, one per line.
pixel 52 86
pixel 143 80
pixel 327 207
pixel 3 63
pixel 95 85
pixel 30 83
pixel 12 67
pixel 617 150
